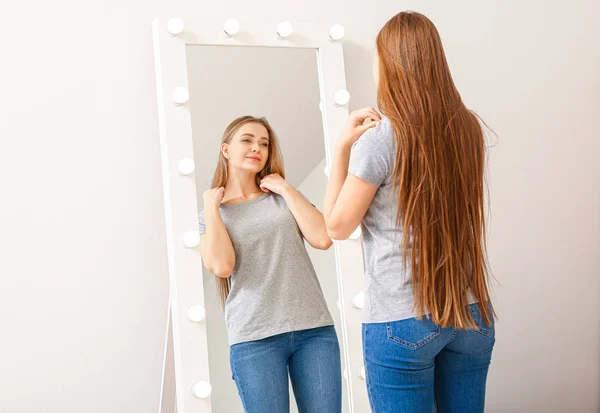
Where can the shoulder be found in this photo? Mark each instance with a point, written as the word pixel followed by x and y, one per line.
pixel 379 140
pixel 381 135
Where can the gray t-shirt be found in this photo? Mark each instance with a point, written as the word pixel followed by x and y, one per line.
pixel 274 287
pixel 389 296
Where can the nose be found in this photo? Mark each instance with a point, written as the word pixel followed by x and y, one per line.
pixel 255 148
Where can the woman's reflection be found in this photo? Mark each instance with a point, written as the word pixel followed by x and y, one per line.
pixel 252 231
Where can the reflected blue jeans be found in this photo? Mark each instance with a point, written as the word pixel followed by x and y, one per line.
pixel 413 366
pixel 260 370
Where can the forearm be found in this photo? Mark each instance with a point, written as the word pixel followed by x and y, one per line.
pixel 337 177
pixel 309 219
pixel 217 249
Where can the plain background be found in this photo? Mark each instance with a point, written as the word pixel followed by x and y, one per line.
pixel 82 249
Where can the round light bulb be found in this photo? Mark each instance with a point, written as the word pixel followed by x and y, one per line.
pixel 186 166
pixel 358 301
pixel 341 97
pixel 175 26
pixel 180 95
pixel 202 389
pixel 191 239
pixel 231 27
pixel 356 234
pixel 362 373
pixel 196 313
pixel 336 32
pixel 284 29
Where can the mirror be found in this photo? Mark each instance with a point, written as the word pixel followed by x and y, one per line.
pixel 281 85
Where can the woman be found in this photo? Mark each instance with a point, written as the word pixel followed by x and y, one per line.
pixel 253 230
pixel 414 180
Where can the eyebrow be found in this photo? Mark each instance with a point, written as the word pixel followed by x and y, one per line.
pixel 251 135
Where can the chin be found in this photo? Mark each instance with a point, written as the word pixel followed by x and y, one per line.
pixel 254 168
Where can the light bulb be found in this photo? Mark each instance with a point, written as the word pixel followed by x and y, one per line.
pixel 202 389
pixel 358 301
pixel 284 29
pixel 362 373
pixel 231 27
pixel 196 313
pixel 341 97
pixel 191 239
pixel 336 32
pixel 356 234
pixel 180 95
pixel 186 166
pixel 175 26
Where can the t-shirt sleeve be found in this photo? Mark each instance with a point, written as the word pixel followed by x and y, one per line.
pixel 371 156
pixel 201 223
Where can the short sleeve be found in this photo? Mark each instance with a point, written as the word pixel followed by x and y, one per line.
pixel 372 155
pixel 201 223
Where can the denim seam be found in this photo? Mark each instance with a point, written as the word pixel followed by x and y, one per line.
pixel 239 386
pixel 292 345
pixel 369 390
pixel 454 333
pixel 369 387
pixel 483 331
pixel 413 346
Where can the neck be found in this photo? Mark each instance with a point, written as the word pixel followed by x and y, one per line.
pixel 241 184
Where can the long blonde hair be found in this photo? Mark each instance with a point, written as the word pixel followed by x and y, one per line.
pixel 274 165
pixel 439 172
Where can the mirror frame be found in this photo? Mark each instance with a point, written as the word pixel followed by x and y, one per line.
pixel 186 351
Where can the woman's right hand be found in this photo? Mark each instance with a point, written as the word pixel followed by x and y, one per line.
pixel 213 197
pixel 358 123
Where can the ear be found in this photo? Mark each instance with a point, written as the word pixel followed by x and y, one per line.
pixel 225 150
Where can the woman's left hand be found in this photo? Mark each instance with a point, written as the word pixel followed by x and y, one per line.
pixel 274 183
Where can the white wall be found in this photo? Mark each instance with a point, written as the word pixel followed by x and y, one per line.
pixel 82 252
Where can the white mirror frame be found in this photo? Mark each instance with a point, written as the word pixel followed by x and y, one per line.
pixel 186 351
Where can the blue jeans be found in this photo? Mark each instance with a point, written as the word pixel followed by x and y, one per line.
pixel 260 370
pixel 413 365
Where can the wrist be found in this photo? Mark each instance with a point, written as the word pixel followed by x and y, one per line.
pixel 211 210
pixel 287 190
pixel 344 145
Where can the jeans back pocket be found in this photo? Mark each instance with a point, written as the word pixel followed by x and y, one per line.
pixel 482 327
pixel 412 333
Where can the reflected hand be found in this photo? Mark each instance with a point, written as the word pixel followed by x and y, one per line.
pixel 213 197
pixel 358 123
pixel 274 183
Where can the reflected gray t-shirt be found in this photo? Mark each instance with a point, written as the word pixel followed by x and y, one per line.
pixel 389 296
pixel 274 287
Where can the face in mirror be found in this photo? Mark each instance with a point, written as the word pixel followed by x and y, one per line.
pixel 271 309
pixel 248 149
